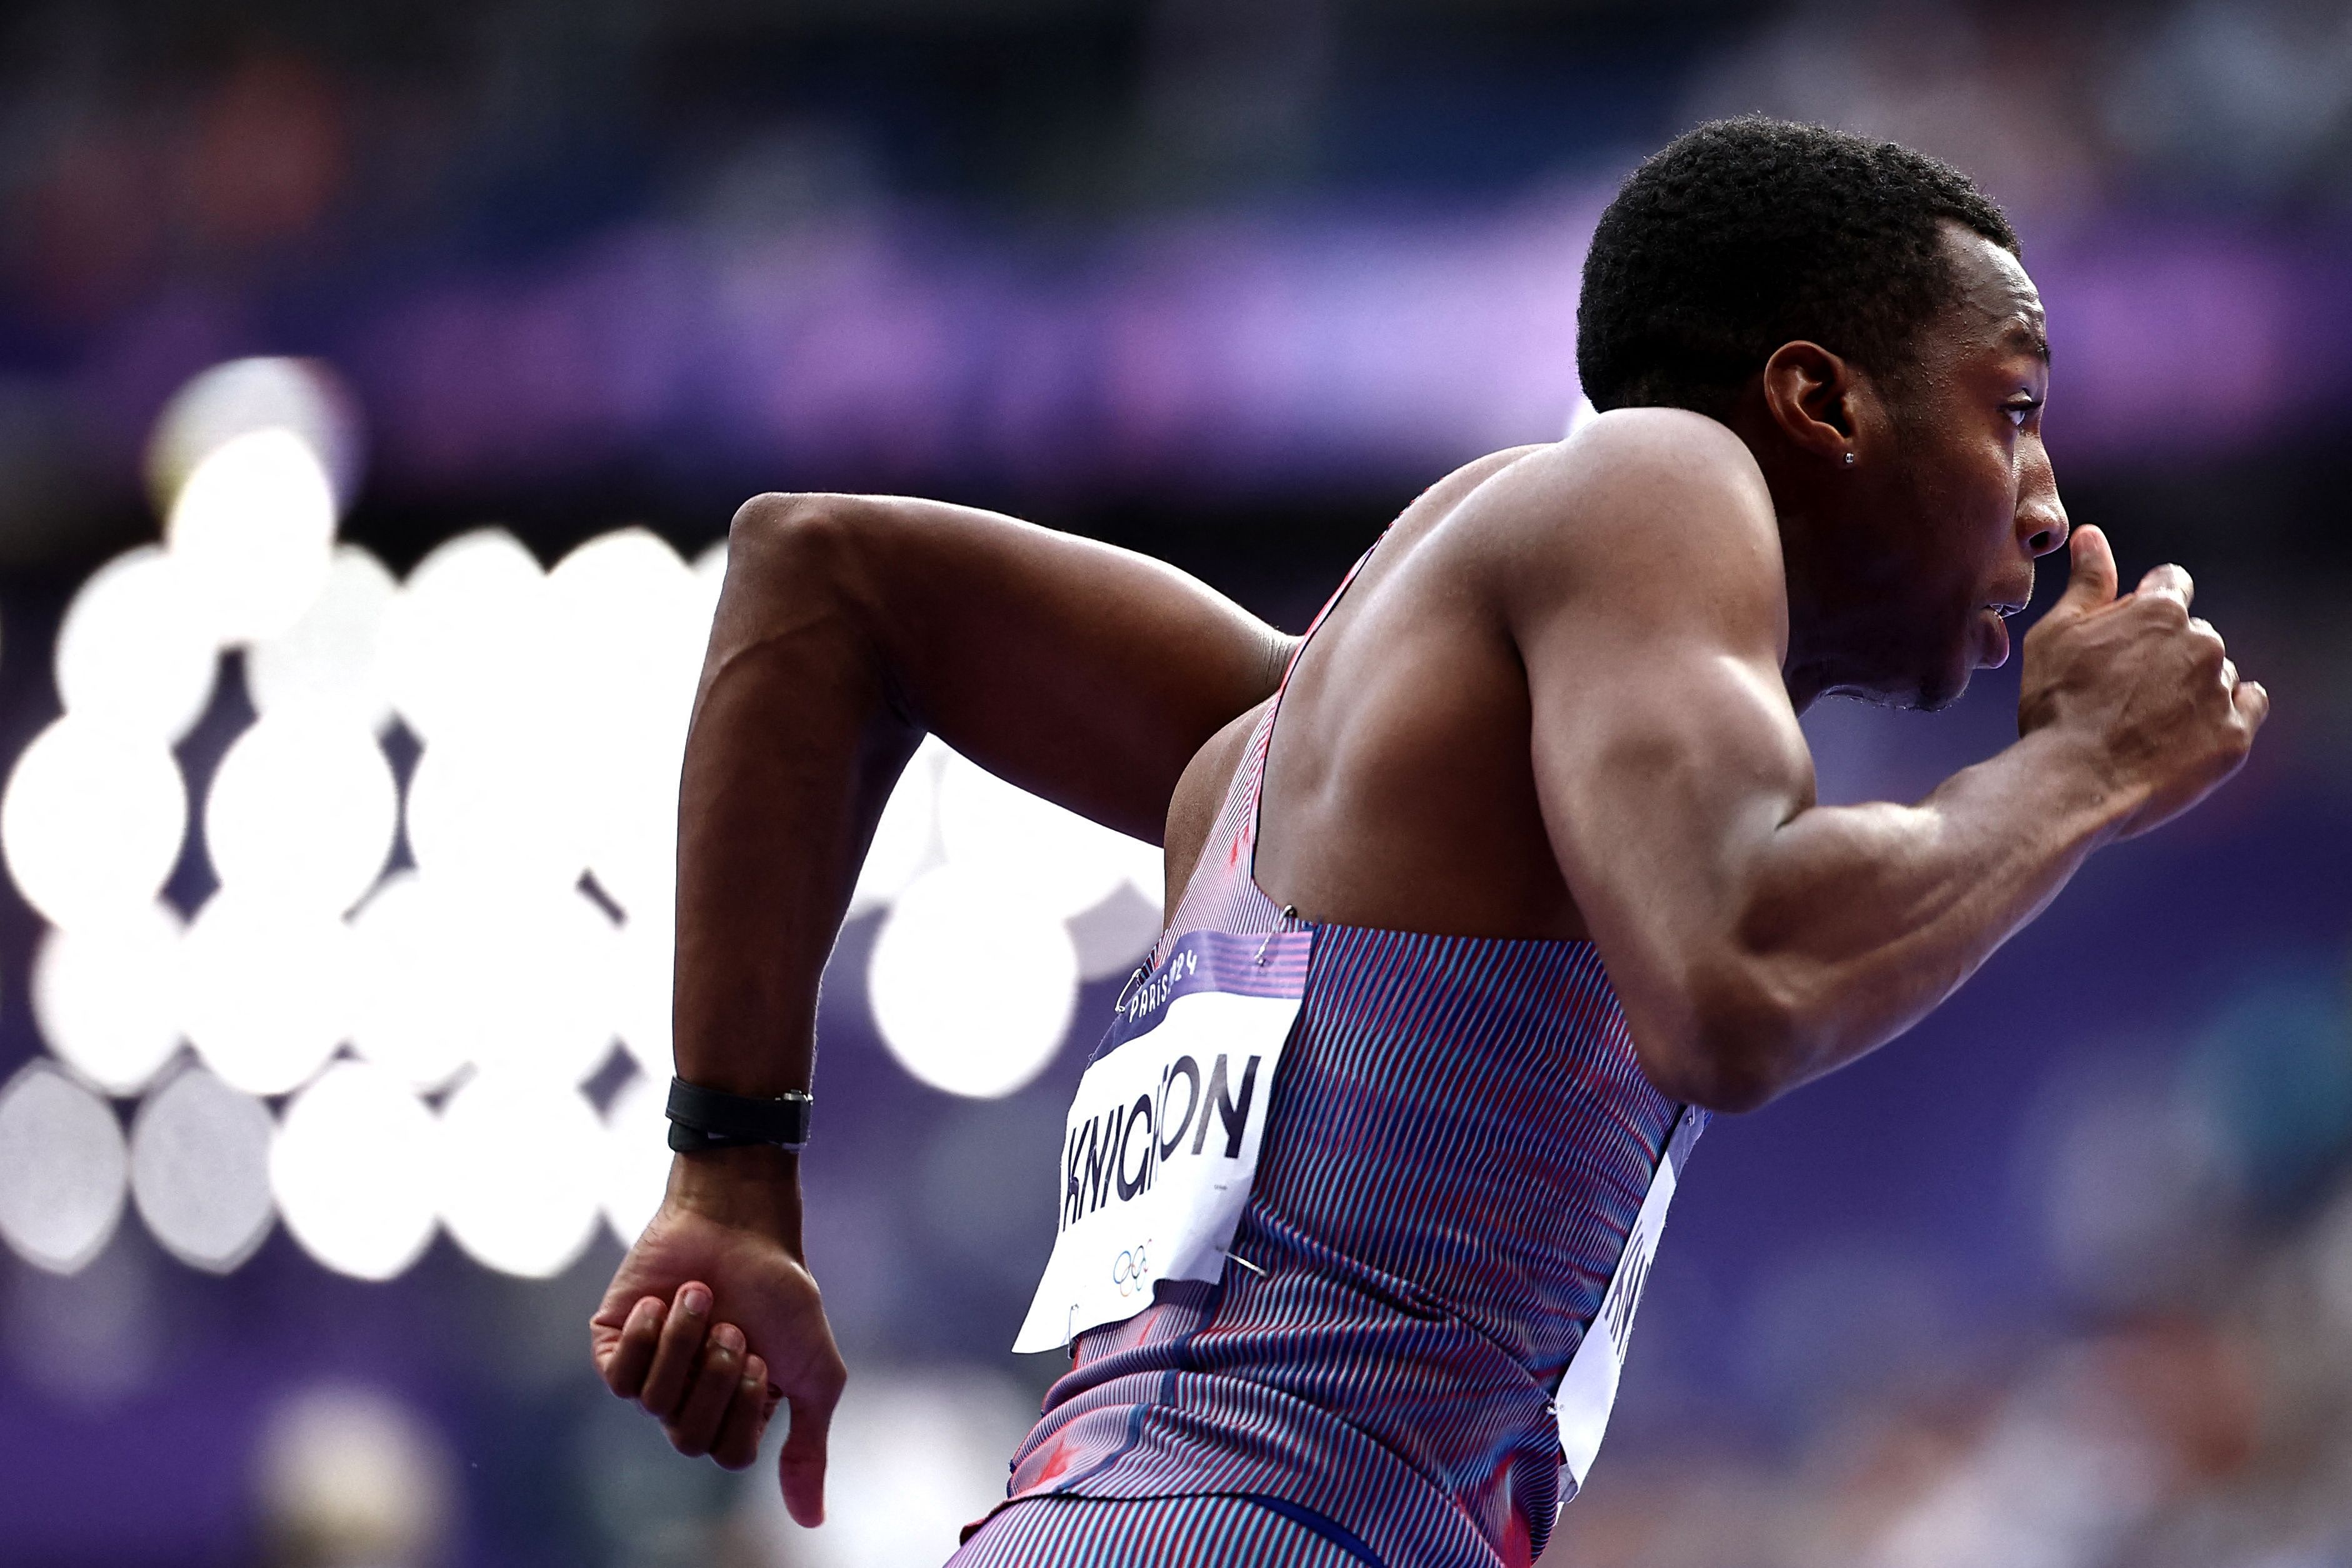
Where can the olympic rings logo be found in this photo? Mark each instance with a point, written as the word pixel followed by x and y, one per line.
pixel 1131 1272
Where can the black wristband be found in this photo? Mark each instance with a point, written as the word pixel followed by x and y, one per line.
pixel 703 1118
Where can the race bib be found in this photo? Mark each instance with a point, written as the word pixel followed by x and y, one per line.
pixel 1588 1389
pixel 1162 1141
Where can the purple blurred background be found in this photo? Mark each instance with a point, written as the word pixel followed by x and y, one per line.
pixel 2063 1278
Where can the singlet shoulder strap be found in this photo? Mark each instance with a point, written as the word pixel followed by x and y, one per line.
pixel 1221 893
pixel 1261 744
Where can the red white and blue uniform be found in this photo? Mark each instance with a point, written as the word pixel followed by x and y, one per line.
pixel 1458 1141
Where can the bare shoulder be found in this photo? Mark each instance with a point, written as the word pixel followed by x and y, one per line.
pixel 1638 506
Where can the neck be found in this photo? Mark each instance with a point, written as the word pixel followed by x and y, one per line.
pixel 1812 663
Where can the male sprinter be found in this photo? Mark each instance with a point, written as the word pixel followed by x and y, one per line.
pixel 1527 879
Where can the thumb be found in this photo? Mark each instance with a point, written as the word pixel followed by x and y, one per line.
pixel 800 1467
pixel 2091 577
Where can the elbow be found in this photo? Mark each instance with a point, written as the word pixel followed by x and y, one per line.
pixel 1741 1041
pixel 793 556
pixel 778 532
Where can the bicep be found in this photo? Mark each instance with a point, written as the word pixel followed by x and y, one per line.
pixel 1665 752
pixel 1084 673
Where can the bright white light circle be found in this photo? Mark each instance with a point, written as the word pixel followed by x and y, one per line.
pixel 636 1154
pixel 62 1169
pixel 464 644
pixel 523 1163
pixel 255 527
pixel 644 968
pixel 328 659
pixel 906 839
pixel 200 1171
pixel 91 820
pixel 910 1456
pixel 354 1171
pixel 106 996
pixel 1000 832
pixel 402 1011
pixel 302 811
pixel 623 613
pixel 266 992
pixel 972 983
pixel 500 812
pixel 1112 937
pixel 135 649
pixel 450 976
pixel 711 576
pixel 244 395
pixel 630 828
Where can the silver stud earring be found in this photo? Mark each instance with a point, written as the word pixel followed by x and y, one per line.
pixel 1849 459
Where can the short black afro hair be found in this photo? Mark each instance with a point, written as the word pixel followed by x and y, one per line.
pixel 1747 234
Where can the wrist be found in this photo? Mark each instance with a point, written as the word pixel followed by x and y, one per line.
pixel 754 1187
pixel 2094 791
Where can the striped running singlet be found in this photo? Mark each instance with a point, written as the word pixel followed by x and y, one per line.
pixel 1458 1140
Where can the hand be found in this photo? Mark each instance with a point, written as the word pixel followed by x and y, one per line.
pixel 713 1319
pixel 2147 687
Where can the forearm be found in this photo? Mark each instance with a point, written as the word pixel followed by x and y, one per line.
pixel 847 627
pixel 793 747
pixel 1859 920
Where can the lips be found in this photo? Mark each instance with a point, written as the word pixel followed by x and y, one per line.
pixel 1994 620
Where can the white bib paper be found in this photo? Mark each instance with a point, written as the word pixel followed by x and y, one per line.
pixel 1588 1389
pixel 1162 1140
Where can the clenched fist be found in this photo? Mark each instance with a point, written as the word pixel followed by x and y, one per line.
pixel 2148 689
pixel 713 1320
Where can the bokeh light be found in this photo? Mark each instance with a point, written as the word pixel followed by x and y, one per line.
pixel 906 838
pixel 645 962
pixel 134 650
pixel 522 1159
pixel 254 529
pixel 105 996
pixel 629 619
pixel 354 1170
pixel 200 1170
pixel 63 1169
pixel 92 820
pixel 913 1456
pixel 464 648
pixel 329 660
pixel 636 1154
pixel 972 982
pixel 302 811
pixel 1066 862
pixel 266 992
pixel 450 974
pixel 305 397
pixel 349 1476
pixel 403 1015
pixel 499 811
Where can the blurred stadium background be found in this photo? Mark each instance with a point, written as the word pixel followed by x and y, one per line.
pixel 375 384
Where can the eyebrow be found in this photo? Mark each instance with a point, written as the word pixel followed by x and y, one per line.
pixel 2031 336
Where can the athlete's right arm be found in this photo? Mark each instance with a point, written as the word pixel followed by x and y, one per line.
pixel 847 627
pixel 1757 939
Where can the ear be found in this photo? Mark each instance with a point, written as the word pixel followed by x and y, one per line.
pixel 1813 397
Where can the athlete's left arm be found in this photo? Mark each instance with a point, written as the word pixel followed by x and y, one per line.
pixel 1757 938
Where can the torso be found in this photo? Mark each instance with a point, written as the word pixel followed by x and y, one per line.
pixel 1400 794
pixel 1459 1135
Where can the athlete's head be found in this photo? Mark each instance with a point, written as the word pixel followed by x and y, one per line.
pixel 1825 295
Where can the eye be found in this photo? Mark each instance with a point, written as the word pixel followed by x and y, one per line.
pixel 2021 411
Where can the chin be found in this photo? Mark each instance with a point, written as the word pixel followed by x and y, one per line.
pixel 1940 689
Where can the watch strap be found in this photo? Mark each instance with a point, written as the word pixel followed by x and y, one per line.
pixel 702 1118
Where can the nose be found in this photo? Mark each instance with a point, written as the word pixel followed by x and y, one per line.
pixel 2043 530
pixel 2041 525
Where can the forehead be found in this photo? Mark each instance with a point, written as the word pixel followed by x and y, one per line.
pixel 1994 307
